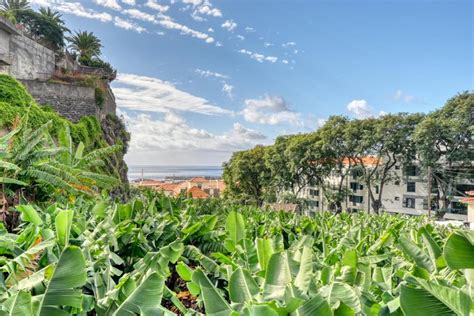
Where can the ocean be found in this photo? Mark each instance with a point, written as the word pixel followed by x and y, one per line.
pixel 167 172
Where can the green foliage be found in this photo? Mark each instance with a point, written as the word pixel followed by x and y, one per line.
pixel 86 44
pixel 99 97
pixel 150 256
pixel 13 92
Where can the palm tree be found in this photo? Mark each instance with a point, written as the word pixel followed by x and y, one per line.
pixel 86 44
pixel 14 5
pixel 53 16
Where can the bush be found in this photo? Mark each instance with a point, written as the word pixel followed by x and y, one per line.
pixel 13 92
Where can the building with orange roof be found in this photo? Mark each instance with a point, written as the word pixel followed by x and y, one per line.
pixel 470 207
pixel 197 193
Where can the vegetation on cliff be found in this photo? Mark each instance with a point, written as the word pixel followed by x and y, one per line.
pixel 15 102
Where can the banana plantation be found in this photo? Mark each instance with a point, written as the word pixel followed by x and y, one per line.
pixel 156 255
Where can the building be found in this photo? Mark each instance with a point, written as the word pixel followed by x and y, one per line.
pixel 197 187
pixel 407 195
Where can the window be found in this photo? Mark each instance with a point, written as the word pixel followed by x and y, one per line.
pixel 356 186
pixel 397 167
pixel 397 198
pixel 411 186
pixel 397 182
pixel 313 192
pixel 356 198
pixel 411 171
pixel 409 203
pixel 376 189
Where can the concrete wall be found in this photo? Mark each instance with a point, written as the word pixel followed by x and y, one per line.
pixel 70 101
pixel 30 60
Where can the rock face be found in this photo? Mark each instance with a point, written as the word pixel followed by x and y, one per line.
pixel 71 101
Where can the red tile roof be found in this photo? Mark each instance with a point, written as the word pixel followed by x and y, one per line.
pixel 197 193
pixel 199 180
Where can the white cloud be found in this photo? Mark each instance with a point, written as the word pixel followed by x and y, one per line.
pixel 288 44
pixel 208 73
pixel 143 93
pixel 112 4
pixel 240 37
pixel 285 61
pixel 207 10
pixel 270 110
pixel 259 57
pixel 168 23
pixel 210 30
pixel 229 25
pixel 401 96
pixel 129 2
pixel 267 44
pixel 218 44
pixel 359 108
pixel 172 132
pixel 128 25
pixel 75 8
pixel 193 2
pixel 227 89
pixel 152 4
pixel 140 15
pixel 249 29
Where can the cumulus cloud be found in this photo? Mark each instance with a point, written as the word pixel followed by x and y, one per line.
pixel 143 93
pixel 401 96
pixel 270 110
pixel 359 108
pixel 172 132
pixel 207 10
pixel 208 73
pixel 152 4
pixel 77 9
pixel 259 57
pixel 112 4
pixel 229 25
pixel 129 2
pixel 285 61
pixel 210 30
pixel 227 89
pixel 249 29
pixel 240 37
pixel 128 25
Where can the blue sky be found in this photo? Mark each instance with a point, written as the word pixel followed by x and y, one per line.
pixel 199 79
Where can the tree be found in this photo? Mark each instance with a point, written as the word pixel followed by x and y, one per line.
pixel 46 27
pixel 14 7
pixel 246 176
pixel 86 44
pixel 445 143
pixel 337 149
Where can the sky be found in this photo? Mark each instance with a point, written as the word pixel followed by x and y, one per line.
pixel 200 79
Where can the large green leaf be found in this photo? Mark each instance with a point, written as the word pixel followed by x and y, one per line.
pixel 305 272
pixel 18 305
pixel 459 250
pixel 63 223
pixel 235 227
pixel 264 252
pixel 29 214
pixel 434 299
pixel 64 287
pixel 339 292
pixel 242 287
pixel 411 250
pixel 145 299
pixel 277 276
pixel 315 306
pixel 214 303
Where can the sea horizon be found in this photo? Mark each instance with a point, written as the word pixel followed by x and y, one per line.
pixel 162 172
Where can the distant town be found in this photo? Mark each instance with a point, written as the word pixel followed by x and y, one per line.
pixel 196 187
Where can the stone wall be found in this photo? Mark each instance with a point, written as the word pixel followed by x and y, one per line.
pixel 30 60
pixel 70 101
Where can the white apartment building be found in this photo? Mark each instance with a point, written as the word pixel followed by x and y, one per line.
pixel 408 195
